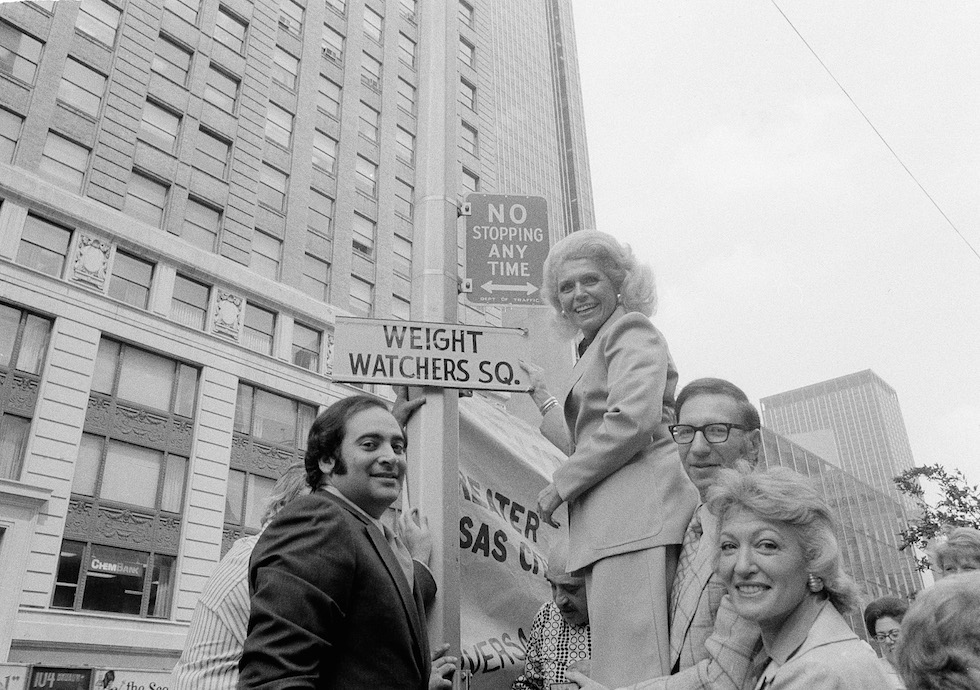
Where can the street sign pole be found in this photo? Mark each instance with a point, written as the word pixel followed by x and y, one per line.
pixel 434 431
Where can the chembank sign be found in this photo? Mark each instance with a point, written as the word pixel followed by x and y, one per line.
pixel 393 352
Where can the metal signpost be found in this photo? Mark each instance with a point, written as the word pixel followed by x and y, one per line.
pixel 507 242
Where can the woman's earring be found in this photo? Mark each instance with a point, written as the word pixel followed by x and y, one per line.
pixel 814 583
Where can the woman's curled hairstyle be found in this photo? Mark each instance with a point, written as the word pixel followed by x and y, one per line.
pixel 781 495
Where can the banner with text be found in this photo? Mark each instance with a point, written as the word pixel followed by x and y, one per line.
pixel 504 463
pixel 393 352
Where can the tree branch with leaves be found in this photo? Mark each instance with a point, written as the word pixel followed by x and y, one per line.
pixel 957 505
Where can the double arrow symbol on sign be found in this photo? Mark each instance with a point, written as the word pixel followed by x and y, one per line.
pixel 492 287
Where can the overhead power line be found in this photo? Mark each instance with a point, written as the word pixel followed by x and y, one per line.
pixel 875 129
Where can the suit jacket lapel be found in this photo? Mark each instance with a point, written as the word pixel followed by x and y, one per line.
pixel 394 569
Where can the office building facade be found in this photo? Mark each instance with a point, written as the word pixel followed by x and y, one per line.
pixel 190 192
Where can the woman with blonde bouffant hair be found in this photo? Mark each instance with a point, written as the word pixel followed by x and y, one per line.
pixel 629 499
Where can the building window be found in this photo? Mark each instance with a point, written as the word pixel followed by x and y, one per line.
pixel 10 125
pixel 328 99
pixel 201 226
pixel 369 121
pixel 81 88
pixel 171 61
pixel 401 308
pixel 98 20
pixel 406 50
pixel 470 181
pixel 270 432
pixel 185 9
pixel 189 304
pixel 159 127
pixel 266 255
pixel 402 252
pixel 466 13
pixel 408 9
pixel 361 296
pixel 23 344
pixel 43 246
pixel 366 176
pixel 230 31
pixel 131 471
pixel 130 280
pixel 258 329
pixel 146 199
pixel 306 346
pixel 406 96
pixel 285 67
pixel 324 152
pixel 467 53
pixel 316 277
pixel 339 6
pixel 363 235
pixel 221 89
pixel 404 193
pixel 373 24
pixel 19 53
pixel 291 17
pixel 64 161
pixel 332 45
pixel 468 139
pixel 212 154
pixel 278 125
pixel 371 72
pixel 405 146
pixel 467 94
pixel 272 188
pixel 321 213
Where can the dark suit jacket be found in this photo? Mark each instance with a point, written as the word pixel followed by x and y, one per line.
pixel 331 607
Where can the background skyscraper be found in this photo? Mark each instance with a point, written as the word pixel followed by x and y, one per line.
pixel 191 191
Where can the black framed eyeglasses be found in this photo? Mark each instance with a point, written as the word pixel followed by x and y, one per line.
pixel 716 432
pixel 890 635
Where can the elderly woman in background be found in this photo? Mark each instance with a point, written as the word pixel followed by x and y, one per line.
pixel 959 553
pixel 778 556
pixel 883 619
pixel 940 644
pixel 629 499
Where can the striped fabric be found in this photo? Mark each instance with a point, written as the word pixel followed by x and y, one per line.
pixel 218 626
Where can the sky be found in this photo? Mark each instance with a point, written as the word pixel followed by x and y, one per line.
pixel 790 246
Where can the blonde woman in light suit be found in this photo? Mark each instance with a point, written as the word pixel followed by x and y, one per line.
pixel 629 499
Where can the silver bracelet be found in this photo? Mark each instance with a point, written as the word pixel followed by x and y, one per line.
pixel 547 405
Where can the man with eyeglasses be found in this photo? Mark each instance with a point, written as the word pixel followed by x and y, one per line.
pixel 711 646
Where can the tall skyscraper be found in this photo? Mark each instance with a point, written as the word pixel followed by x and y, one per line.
pixel 853 421
pixel 190 191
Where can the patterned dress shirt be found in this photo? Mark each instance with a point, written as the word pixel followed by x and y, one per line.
pixel 551 646
pixel 218 626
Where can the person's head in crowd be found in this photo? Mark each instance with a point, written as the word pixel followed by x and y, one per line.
pixel 883 619
pixel 291 484
pixel 959 553
pixel 716 426
pixel 778 546
pixel 357 446
pixel 567 591
pixel 588 274
pixel 939 648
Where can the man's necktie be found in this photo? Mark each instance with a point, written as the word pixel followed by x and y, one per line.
pixel 689 549
pixel 402 554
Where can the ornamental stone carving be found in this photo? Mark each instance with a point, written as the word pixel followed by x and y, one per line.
pixel 80 517
pixel 23 393
pixel 227 319
pixel 124 528
pixel 269 459
pixel 140 427
pixel 91 263
pixel 328 359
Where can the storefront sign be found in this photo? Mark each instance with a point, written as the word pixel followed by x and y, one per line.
pixel 116 567
pixel 128 679
pixel 52 678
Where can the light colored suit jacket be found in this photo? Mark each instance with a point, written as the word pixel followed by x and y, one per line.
pixel 624 483
pixel 831 657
